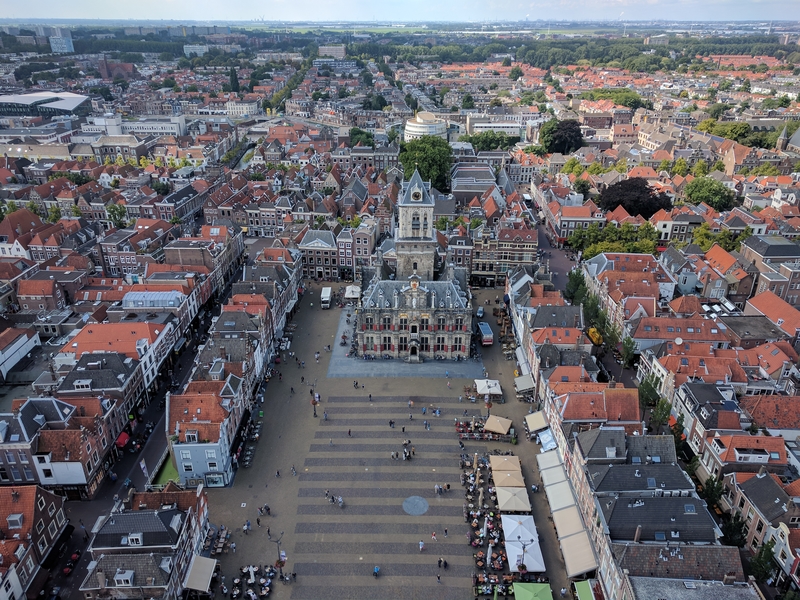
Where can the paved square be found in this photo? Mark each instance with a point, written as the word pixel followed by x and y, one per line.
pixel 334 550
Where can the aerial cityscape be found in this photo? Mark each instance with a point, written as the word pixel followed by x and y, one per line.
pixel 506 306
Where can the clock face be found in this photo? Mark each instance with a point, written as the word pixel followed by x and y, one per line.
pixel 416 195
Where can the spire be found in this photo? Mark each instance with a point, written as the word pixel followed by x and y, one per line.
pixel 784 134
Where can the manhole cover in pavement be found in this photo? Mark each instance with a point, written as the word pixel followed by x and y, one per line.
pixel 415 505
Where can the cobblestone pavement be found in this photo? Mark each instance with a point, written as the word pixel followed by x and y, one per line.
pixel 333 550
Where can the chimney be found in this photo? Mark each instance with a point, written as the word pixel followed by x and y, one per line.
pixel 222 352
pixel 638 534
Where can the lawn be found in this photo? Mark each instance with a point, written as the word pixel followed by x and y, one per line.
pixel 166 473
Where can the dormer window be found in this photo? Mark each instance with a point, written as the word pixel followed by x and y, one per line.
pixel 191 437
pixel 15 521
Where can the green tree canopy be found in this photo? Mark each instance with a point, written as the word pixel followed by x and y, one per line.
pixel 710 191
pixel 234 80
pixel 431 156
pixel 359 135
pixel 467 101
pixel 489 140
pixel 515 73
pixel 635 196
pixel 117 214
pixel 561 136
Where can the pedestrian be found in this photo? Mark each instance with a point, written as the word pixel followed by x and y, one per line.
pixel 294 472
pixel 409 404
pixel 355 384
pixel 258 521
pixel 315 410
pixel 436 489
pixel 330 442
pixel 303 364
pixel 448 384
pixel 233 547
pixel 421 546
pixel 277 473
pixel 326 493
pixel 444 564
pixel 325 415
pixel 447 374
pixel 459 398
pixel 412 451
pixel 280 376
pixel 392 455
pixel 260 511
pixel 440 562
pixel 291 390
pixel 266 508
pixel 404 428
pixel 563 592
pixel 433 536
pixel 445 532
pixel 348 433
pixel 269 533
pixel 438 578
pixel 465 412
pixel 410 417
pixel 424 410
pixel 302 379
pixel 294 576
pixel 370 397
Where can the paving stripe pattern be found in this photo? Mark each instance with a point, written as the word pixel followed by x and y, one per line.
pixel 336 549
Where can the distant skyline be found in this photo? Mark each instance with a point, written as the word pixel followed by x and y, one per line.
pixel 409 10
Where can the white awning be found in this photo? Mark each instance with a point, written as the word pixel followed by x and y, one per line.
pixel 568 521
pixel 497 425
pixel 353 292
pixel 524 383
pixel 513 499
pixel 553 476
pixel 547 460
pixel 532 559
pixel 536 421
pixel 519 525
pixel 522 361
pixel 559 495
pixel 578 554
pixel 200 571
pixel 488 386
pixel 547 440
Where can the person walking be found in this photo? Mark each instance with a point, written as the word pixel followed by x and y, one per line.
pixel 233 547
pixel 326 493
pixel 258 522
pixel 563 592
pixel 421 546
pixel 324 415
pixel 438 578
pixel 269 533
pixel 404 428
pixel 348 433
pixel 412 451
pixel 448 387
pixel 294 472
pixel 291 390
pixel 445 532
pixel 440 562
pixel 433 536
pixel 267 510
pixel 277 473
pixel 330 442
pixel 260 511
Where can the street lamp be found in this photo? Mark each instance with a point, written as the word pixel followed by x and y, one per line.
pixel 521 557
pixel 278 544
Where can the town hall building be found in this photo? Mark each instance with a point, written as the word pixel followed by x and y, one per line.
pixel 424 308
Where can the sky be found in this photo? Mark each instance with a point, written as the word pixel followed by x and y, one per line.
pixel 407 11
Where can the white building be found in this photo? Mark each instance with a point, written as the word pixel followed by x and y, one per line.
pixel 425 123
pixel 336 51
pixel 196 49
pixel 239 109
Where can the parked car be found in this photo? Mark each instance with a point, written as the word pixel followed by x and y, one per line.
pixel 480 312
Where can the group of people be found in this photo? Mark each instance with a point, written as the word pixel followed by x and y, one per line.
pixel 408 451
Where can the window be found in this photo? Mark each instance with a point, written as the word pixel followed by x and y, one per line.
pixel 40 526
pixel 47 473
pixel 187 467
pixel 135 539
pixel 51 529
pixel 51 509
pixel 191 437
pixel 212 466
pixel 386 343
pixel 212 454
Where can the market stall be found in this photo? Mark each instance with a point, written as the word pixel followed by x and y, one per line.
pixel 525 553
pixel 490 387
pixel 534 423
pixel 495 424
pixel 353 292
pixel 532 591
pixel 513 499
pixel 505 463
pixel 508 478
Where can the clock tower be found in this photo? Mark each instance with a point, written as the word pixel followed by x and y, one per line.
pixel 415 236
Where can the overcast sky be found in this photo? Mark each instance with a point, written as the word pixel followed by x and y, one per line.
pixel 406 10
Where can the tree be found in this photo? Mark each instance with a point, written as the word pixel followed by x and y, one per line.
pixel 11 207
pixel 628 352
pixel 33 207
pixel 692 466
pixel 677 431
pixel 506 62
pixel 76 211
pixel 234 80
pixel 359 135
pixel 680 167
pixel 762 565
pixel 160 187
pixel 117 214
pixel 561 136
pixel 664 165
pixel 431 156
pixel 710 191
pixel 713 489
pixel 575 290
pixel 176 220
pixel 391 135
pixel 733 533
pixel 489 140
pixel 114 184
pixel 467 101
pixel 515 73
pixel 635 196
pixel 582 186
pixel 718 166
pixel 700 168
pixel 660 415
pixel 648 392
pixel 54 214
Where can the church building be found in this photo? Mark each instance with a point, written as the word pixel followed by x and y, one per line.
pixel 424 308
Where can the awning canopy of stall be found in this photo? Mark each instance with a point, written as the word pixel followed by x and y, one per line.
pixel 533 591
pixel 497 424
pixel 505 463
pixel 508 478
pixel 201 569
pixel 536 421
pixel 559 495
pixel 488 386
pixel 523 364
pixel 532 557
pixel 519 525
pixel 578 554
pixel 353 292
pixel 568 521
pixel 553 476
pixel 513 499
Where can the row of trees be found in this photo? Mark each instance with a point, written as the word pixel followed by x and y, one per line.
pixel 490 140
pixel 627 238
